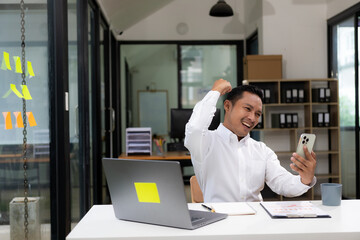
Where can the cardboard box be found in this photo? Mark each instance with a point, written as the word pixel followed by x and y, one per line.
pixel 263 67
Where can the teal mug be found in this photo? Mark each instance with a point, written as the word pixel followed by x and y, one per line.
pixel 331 194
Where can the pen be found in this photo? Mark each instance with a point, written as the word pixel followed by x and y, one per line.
pixel 208 208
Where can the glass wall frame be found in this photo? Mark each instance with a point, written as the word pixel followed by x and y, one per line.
pixel 343 64
pixel 238 55
pixel 60 163
pixel 90 109
pixel 99 100
pixel 47 45
pixel 59 120
pixel 175 56
pixel 37 104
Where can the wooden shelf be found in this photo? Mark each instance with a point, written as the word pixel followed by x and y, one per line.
pixel 324 103
pixel 322 176
pixel 327 152
pixel 286 104
pixel 281 129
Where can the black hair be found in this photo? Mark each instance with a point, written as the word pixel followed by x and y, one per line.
pixel 237 92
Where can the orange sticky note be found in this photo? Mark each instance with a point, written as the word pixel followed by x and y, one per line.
pixel 19 120
pixel 7 117
pixel 31 119
pixel 17 61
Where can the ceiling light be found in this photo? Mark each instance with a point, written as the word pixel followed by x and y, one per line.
pixel 221 9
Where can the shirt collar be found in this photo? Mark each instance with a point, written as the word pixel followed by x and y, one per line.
pixel 229 136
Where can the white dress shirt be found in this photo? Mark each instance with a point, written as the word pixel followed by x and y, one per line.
pixel 229 170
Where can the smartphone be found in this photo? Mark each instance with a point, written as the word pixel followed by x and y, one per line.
pixel 307 139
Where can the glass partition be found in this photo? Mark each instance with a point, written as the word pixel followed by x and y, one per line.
pixel 151 67
pixel 201 66
pixel 74 112
pixel 343 67
pixel 36 96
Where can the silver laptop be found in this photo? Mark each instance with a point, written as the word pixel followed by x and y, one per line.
pixel 150 191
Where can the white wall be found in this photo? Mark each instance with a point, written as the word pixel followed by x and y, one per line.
pixel 334 7
pixel 253 19
pixel 162 25
pixel 297 30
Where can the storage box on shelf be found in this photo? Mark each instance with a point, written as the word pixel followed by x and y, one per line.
pixel 283 138
pixel 138 141
pixel 263 66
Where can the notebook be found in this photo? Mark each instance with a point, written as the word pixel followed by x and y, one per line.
pixel 231 208
pixel 150 191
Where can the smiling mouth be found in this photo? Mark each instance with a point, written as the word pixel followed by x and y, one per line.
pixel 246 124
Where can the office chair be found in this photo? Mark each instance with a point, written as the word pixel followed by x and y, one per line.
pixel 196 193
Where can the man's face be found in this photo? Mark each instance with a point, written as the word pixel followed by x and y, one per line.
pixel 244 115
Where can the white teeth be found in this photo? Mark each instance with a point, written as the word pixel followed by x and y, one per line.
pixel 248 125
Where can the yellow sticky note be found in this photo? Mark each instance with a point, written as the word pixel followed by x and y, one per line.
pixel 13 88
pixel 31 119
pixel 19 120
pixel 7 117
pixel 30 69
pixel 5 62
pixel 25 92
pixel 147 192
pixel 17 61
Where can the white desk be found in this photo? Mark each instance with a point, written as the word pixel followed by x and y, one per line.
pixel 100 223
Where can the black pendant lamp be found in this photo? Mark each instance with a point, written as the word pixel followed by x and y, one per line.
pixel 221 9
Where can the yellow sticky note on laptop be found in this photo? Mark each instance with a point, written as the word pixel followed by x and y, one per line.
pixel 147 192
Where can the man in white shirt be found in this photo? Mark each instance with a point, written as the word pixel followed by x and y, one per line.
pixel 229 165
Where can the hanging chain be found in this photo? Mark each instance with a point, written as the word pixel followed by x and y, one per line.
pixel 25 166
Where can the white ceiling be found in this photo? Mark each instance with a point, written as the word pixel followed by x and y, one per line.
pixel 122 14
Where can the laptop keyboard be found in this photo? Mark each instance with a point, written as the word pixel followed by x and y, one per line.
pixel 196 219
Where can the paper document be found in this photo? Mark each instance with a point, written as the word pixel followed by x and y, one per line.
pixel 291 209
pixel 232 208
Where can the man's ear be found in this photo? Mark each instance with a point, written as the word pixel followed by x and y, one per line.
pixel 227 105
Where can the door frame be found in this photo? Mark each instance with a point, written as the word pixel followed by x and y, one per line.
pixel 353 12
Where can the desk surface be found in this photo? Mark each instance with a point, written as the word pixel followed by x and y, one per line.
pixel 100 223
pixel 167 156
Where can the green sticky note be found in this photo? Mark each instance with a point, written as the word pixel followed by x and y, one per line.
pixel 7 93
pixel 147 192
pixel 3 65
pixel 6 61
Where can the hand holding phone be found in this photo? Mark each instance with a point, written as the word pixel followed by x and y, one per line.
pixel 305 167
pixel 307 139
